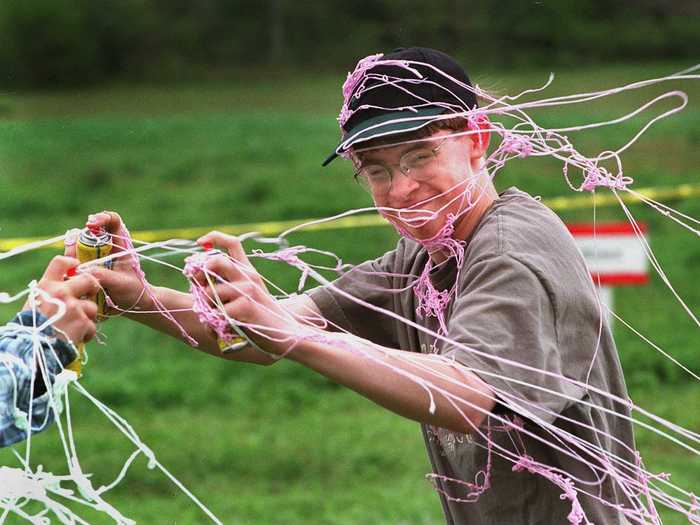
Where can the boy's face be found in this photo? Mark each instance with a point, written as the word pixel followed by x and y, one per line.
pixel 426 196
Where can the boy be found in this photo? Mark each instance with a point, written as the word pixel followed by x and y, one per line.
pixel 482 324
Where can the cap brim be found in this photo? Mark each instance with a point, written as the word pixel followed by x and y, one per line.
pixel 383 125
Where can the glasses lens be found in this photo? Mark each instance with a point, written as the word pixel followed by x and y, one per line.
pixel 375 178
pixel 414 161
pixel 362 181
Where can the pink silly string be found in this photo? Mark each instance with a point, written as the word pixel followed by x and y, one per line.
pixel 639 478
pixel 577 516
pixel 694 501
pixel 567 484
pixel 220 323
pixel 355 86
pixel 644 479
pixel 291 257
pixel 399 84
pixel 125 236
pixel 388 276
pixel 354 83
pixel 594 176
pixel 565 147
pixel 500 106
pixel 694 510
pixel 206 313
pixel 516 144
pixel 651 257
pixel 431 301
pixel 599 177
pixel 675 215
pixel 517 424
pixel 514 422
pixel 411 66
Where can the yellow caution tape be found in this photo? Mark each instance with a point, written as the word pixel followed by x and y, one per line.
pixel 683 191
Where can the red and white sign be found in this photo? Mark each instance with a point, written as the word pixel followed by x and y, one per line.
pixel 613 251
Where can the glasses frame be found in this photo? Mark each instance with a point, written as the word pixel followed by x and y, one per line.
pixel 389 168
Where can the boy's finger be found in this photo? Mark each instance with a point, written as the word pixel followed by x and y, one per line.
pixel 221 292
pixel 112 223
pixel 229 242
pixel 224 268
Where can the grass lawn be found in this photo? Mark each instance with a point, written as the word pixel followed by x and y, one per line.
pixel 281 444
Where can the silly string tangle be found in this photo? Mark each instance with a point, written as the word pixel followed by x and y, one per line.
pixel 519 136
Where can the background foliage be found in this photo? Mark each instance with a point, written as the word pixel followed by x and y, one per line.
pixel 44 43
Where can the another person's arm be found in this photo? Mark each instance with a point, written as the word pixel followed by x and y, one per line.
pixel 24 373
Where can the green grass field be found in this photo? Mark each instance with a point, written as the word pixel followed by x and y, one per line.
pixel 281 444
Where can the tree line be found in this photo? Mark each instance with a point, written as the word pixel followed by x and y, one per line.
pixel 47 43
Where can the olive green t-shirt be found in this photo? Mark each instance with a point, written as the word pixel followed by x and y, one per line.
pixel 524 294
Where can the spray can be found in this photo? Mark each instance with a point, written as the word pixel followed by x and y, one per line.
pixel 95 244
pixel 92 244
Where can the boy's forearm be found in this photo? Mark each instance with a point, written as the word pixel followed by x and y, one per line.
pixel 398 381
pixel 179 304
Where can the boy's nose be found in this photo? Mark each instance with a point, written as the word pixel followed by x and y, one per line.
pixel 402 188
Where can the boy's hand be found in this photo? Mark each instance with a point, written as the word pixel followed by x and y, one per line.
pixel 121 282
pixel 243 293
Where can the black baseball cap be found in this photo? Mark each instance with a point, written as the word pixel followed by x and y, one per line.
pixel 402 97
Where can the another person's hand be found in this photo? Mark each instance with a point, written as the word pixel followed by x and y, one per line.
pixel 244 295
pixel 122 284
pixel 78 322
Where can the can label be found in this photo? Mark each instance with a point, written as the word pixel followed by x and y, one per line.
pixel 91 246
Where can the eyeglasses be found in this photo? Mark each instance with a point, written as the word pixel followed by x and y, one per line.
pixel 377 177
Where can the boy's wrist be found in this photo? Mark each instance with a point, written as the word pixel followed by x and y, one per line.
pixel 145 302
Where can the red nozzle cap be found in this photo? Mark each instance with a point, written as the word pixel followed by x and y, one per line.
pixel 208 246
pixel 72 271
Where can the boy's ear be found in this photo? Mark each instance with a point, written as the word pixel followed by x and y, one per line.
pixel 480 140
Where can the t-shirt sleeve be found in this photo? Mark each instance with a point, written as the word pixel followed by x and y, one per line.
pixel 503 316
pixel 371 282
